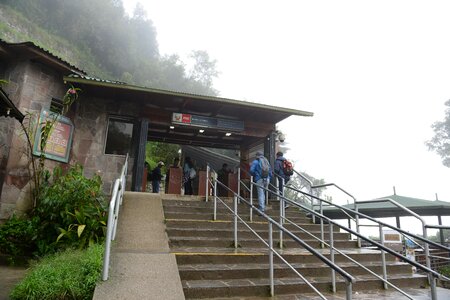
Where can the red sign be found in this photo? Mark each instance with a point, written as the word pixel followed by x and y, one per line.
pixel 186 118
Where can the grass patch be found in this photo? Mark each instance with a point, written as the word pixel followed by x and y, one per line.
pixel 71 274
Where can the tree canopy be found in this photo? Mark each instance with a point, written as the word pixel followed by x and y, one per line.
pixel 440 143
pixel 115 45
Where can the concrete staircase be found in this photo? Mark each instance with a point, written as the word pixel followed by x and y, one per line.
pixel 210 267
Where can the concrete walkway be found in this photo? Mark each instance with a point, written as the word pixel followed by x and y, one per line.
pixel 142 266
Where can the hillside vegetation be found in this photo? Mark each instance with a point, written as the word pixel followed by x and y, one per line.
pixel 100 38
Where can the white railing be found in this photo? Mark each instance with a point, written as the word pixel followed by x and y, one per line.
pixel 113 216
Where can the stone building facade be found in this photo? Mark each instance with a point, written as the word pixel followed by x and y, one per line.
pixel 109 113
pixel 33 80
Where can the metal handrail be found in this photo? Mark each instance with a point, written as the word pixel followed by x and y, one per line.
pixel 349 279
pixel 428 270
pixel 113 215
pixel 348 257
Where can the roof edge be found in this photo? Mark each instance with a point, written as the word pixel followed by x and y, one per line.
pixel 125 86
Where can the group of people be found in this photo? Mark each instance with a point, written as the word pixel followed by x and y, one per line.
pixel 189 174
pixel 261 171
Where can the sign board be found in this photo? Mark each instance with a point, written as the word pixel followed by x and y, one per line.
pixel 207 122
pixel 392 236
pixel 60 140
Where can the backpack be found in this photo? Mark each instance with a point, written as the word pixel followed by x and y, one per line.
pixel 288 168
pixel 265 167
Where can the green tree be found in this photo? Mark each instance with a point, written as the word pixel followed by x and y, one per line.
pixel 203 72
pixel 440 143
pixel 298 183
pixel 156 151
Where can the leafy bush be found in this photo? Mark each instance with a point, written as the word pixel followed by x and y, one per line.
pixel 18 237
pixel 71 274
pixel 70 213
pixel 445 271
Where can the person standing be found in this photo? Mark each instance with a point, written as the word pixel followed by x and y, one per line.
pixel 188 175
pixel 222 176
pixel 279 170
pixel 261 172
pixel 156 177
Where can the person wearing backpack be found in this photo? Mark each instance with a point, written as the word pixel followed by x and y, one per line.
pixel 262 173
pixel 156 177
pixel 283 168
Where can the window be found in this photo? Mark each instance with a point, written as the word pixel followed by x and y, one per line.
pixel 56 106
pixel 119 136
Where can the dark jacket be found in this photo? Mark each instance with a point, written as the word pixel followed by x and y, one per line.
pixel 278 168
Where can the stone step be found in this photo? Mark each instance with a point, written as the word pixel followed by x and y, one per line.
pixel 257 224
pixel 281 270
pixel 194 289
pixel 243 233
pixel 190 215
pixel 197 255
pixel 252 242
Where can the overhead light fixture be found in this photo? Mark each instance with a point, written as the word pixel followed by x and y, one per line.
pixel 172 127
pixel 228 134
pixel 201 130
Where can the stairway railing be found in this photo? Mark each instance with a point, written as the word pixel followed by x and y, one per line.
pixel 113 216
pixel 271 222
pixel 425 226
pixel 432 275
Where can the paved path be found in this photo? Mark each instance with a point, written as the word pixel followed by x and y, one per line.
pixel 142 266
pixel 9 277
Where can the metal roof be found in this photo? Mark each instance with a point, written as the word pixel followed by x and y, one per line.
pixel 157 106
pixel 37 53
pixel 122 85
pixel 386 209
pixel 7 107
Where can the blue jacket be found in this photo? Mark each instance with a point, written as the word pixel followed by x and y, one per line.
pixel 255 170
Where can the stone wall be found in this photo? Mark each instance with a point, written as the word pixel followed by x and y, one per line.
pixel 31 87
pixel 91 121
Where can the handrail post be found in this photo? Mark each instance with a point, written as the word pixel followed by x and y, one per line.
pixel 272 289
pixel 322 235
pixel 333 272
pixel 239 184
pixel 215 197
pixel 358 239
pixel 348 290
pixel 282 204
pixel 207 183
pixel 235 221
pixel 251 198
pixel 383 257
pixel 431 279
pixel 312 204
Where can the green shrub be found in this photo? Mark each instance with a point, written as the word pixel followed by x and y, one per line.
pixel 71 211
pixel 71 274
pixel 445 271
pixel 18 237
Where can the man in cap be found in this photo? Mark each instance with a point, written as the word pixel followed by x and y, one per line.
pixel 261 172
pixel 156 177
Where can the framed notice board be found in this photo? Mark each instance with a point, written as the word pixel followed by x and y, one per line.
pixel 60 140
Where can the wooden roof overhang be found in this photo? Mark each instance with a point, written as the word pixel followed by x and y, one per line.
pixel 158 106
